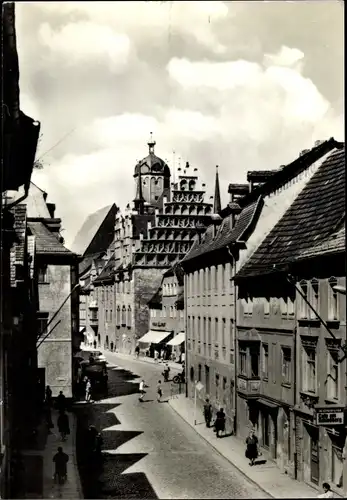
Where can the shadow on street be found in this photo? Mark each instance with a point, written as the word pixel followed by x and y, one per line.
pixel 106 478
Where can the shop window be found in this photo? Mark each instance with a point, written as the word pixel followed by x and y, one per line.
pixel 333 376
pixel 309 370
pixel 333 303
pixel 265 363
pixel 303 310
pixel 336 462
pixel 286 365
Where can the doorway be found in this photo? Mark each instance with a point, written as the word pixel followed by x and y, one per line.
pixel 207 379
pixel 314 455
pixel 265 421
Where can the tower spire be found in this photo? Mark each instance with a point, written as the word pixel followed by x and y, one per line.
pixel 151 143
pixel 139 199
pixel 217 206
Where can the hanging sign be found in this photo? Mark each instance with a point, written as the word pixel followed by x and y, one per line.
pixel 330 416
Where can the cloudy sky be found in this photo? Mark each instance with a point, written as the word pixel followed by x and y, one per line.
pixel 245 85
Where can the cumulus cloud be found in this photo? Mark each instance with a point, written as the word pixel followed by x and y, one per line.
pixel 78 42
pixel 238 84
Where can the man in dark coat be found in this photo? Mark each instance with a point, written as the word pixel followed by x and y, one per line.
pixel 208 412
pixel 60 460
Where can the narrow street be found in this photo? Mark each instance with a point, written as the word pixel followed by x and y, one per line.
pixel 150 452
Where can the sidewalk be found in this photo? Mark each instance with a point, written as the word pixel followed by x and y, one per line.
pixel 267 476
pixel 39 462
pixel 144 359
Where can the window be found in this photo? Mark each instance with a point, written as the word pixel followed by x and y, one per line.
pixel 286 365
pixel 42 324
pixel 205 331
pixel 284 306
pixel 42 274
pixel 83 314
pixel 215 278
pixel 303 313
pixel 266 306
pixel 336 462
pixel 118 318
pixel 333 376
pixel 309 372
pixel 209 279
pixel 333 304
pixel 265 363
pixel 224 329
pixel 124 319
pixel 291 307
pixel 254 353
pixel 199 330
pixel 224 383
pixel 209 331
pixel 314 298
pixel 243 359
pixel 224 277
pixel 248 306
pixel 199 373
pixel 129 321
pixel 188 325
pixel 216 336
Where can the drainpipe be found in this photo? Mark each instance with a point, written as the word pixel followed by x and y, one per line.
pixel 295 430
pixel 233 272
pixel 186 329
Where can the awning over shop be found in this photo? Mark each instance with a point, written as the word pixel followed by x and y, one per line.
pixel 153 337
pixel 180 337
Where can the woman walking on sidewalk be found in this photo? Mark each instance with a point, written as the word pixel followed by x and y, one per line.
pixel 251 447
pixel 159 391
pixel 60 460
pixel 220 422
pixel 63 425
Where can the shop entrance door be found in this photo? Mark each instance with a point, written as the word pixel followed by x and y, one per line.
pixel 314 456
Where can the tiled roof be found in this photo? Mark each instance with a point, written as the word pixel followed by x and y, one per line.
pixel 89 230
pixel 260 174
pixel 155 302
pixel 334 244
pixel 107 272
pixel 314 216
pixel 46 242
pixel 225 233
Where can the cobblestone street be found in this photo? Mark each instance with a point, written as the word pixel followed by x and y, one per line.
pixel 150 452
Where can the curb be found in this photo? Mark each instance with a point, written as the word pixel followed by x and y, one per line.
pixel 221 454
pixel 77 474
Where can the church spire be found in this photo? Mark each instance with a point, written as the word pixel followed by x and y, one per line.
pixel 217 206
pixel 151 143
pixel 139 199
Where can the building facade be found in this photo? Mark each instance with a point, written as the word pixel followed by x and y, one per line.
pixel 291 331
pixel 149 238
pixel 225 325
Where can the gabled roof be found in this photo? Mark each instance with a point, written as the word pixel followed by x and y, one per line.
pixel 89 231
pixel 46 242
pixel 216 238
pixel 315 215
pixel 107 272
pixel 86 263
pixel 334 244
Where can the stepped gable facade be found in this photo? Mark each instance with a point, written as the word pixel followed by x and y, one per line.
pixel 150 236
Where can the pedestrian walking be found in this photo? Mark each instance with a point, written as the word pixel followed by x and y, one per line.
pixel 156 356
pixel 60 461
pixel 220 422
pixel 159 391
pixel 48 417
pixel 327 491
pixel 142 390
pixel 137 352
pixel 63 425
pixel 208 412
pixel 251 447
pixel 88 391
pixel 183 358
pixel 48 395
pixel 162 355
pixel 61 402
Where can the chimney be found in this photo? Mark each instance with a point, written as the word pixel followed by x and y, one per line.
pixel 51 209
pixel 318 143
